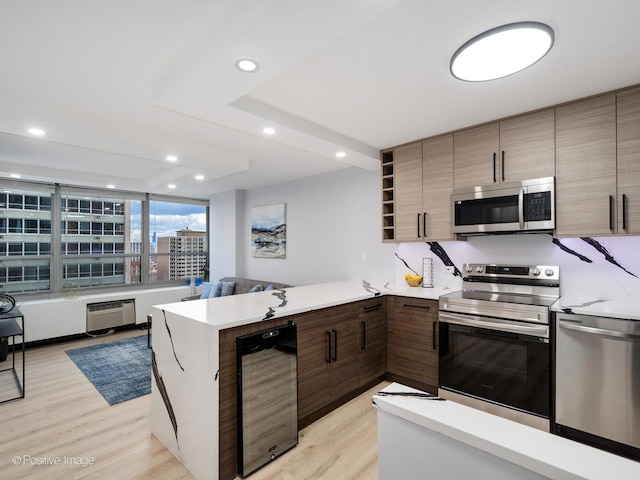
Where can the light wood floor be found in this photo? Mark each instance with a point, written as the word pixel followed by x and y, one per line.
pixel 64 419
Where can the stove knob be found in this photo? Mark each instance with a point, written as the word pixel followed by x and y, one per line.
pixel 469 269
pixel 549 272
pixel 535 271
pixel 479 269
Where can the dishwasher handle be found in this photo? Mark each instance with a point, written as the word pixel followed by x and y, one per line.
pixel 596 331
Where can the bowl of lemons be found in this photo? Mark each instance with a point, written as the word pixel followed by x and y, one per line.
pixel 413 280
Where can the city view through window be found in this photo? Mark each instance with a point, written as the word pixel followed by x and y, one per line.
pixel 57 241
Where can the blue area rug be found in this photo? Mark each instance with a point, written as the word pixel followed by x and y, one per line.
pixel 120 370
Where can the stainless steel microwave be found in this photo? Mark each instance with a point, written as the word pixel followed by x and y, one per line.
pixel 506 207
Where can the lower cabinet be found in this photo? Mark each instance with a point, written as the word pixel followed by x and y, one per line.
pixel 412 349
pixel 328 350
pixel 373 340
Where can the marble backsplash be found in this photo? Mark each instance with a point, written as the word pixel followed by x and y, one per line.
pixel 591 268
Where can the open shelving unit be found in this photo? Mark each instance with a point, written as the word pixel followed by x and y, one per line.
pixel 388 197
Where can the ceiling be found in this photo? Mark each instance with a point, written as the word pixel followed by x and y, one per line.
pixel 119 85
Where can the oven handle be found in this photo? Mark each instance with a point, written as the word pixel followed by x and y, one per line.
pixel 473 321
pixel 597 331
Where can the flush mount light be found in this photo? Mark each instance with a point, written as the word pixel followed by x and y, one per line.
pixel 36 131
pixel 171 186
pixel 15 175
pixel 199 177
pixel 172 158
pixel 247 65
pixel 341 154
pixel 111 186
pixel 268 130
pixel 502 51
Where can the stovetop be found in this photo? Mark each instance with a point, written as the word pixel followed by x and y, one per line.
pixel 535 300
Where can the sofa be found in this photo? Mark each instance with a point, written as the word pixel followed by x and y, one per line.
pixel 234 286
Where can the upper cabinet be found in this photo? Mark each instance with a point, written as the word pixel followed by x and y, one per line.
pixel 423 179
pixel 437 183
pixel 512 150
pixel 628 191
pixel 407 165
pixel 586 167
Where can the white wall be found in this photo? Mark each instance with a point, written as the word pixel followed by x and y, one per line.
pixel 59 317
pixel 333 222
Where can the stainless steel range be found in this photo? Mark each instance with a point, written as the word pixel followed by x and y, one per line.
pixel 494 336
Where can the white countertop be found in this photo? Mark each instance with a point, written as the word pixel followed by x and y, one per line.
pixel 599 308
pixel 234 310
pixel 544 453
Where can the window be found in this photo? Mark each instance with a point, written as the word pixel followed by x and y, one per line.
pixel 178 233
pixel 98 238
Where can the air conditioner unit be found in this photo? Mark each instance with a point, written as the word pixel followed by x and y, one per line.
pixel 104 315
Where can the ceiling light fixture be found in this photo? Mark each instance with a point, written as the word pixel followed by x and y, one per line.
pixel 171 186
pixel 268 130
pixel 341 154
pixel 111 186
pixel 15 175
pixel 502 51
pixel 172 158
pixel 36 131
pixel 199 177
pixel 247 65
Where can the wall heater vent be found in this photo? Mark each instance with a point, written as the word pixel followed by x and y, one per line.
pixel 104 315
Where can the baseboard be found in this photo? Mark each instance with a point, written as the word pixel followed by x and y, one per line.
pixel 77 336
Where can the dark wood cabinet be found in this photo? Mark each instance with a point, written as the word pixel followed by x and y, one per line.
pixel 328 351
pixel 373 340
pixel 412 347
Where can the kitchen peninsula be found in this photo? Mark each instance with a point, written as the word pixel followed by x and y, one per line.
pixel 186 383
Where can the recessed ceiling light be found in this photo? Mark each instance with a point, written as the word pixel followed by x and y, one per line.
pixel 341 154
pixel 15 175
pixel 502 51
pixel 36 131
pixel 268 130
pixel 171 186
pixel 111 186
pixel 199 177
pixel 172 158
pixel 247 65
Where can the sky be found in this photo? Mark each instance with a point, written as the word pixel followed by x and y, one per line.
pixel 166 218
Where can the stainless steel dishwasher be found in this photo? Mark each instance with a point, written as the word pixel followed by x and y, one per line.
pixel 597 382
pixel 267 396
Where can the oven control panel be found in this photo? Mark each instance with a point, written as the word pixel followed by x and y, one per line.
pixel 544 273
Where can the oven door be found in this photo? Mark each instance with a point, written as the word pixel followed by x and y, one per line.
pixel 496 360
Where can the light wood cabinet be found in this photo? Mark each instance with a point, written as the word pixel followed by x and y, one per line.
pixel 628 161
pixel 412 335
pixel 586 167
pixel 423 179
pixel 515 149
pixel 437 183
pixel 407 161
pixel 373 340
pixel 328 356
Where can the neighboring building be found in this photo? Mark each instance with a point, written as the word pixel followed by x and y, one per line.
pixel 172 267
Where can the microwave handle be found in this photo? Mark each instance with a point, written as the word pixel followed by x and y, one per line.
pixel 521 208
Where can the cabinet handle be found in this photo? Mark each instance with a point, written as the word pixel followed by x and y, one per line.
pixel 363 338
pixel 503 165
pixel 328 358
pixel 370 308
pixel 624 211
pixel 416 306
pixel 418 225
pixel 435 345
pixel 424 224
pixel 611 213
pixel 335 345
pixel 494 167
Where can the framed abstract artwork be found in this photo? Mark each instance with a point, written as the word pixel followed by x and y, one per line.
pixel 269 231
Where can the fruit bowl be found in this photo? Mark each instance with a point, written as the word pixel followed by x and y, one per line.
pixel 413 280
